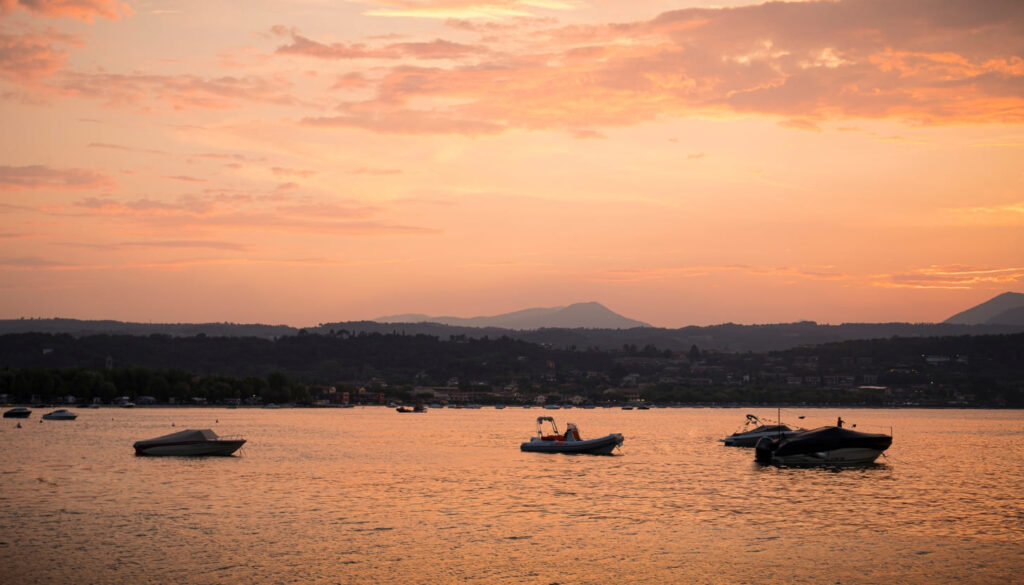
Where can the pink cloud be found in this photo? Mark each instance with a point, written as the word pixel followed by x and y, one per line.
pixel 234 211
pixel 369 171
pixel 921 61
pixel 180 92
pixel 436 49
pixel 30 56
pixel 86 10
pixel 43 177
pixel 292 172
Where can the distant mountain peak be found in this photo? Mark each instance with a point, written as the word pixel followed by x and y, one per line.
pixel 586 315
pixel 1004 309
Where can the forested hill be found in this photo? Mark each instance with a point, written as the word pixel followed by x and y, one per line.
pixel 727 337
pixel 976 370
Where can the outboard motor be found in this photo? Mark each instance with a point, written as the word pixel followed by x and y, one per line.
pixel 764 449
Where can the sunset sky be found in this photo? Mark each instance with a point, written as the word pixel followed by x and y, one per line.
pixel 681 162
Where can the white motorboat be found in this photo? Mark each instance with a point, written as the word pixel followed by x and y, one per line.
pixel 755 429
pixel 61 414
pixel 570 442
pixel 832 445
pixel 190 443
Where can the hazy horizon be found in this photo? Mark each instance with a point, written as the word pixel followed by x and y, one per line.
pixel 682 164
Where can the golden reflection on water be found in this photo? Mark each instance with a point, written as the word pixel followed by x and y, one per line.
pixel 367 495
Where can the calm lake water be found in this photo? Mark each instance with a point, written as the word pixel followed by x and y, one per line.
pixel 368 495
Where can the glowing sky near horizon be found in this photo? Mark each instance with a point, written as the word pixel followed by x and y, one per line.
pixel 312 161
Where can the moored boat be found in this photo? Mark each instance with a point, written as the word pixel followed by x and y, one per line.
pixel 19 412
pixel 830 445
pixel 417 408
pixel 570 442
pixel 190 442
pixel 61 414
pixel 755 429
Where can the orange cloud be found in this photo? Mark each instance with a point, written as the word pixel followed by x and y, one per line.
pixel 953 277
pixel 86 10
pixel 292 172
pixel 922 61
pixel 43 177
pixel 459 9
pixel 226 211
pixel 180 92
pixel 436 49
pixel 29 56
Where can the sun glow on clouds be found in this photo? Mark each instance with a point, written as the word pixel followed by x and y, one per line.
pixel 492 155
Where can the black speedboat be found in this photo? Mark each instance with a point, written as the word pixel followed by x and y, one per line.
pixel 823 446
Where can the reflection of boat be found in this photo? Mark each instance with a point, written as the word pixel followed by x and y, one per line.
pixel 190 442
pixel 417 408
pixel 823 446
pixel 61 414
pixel 754 429
pixel 570 442
pixel 19 412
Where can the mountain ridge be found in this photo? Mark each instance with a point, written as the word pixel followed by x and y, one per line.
pixel 1004 309
pixel 586 315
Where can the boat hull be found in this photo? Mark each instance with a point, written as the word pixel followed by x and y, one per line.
pixel 17 413
pixel 60 415
pixel 824 446
pixel 191 449
pixel 600 446
pixel 850 456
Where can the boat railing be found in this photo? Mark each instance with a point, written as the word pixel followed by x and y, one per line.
pixel 230 438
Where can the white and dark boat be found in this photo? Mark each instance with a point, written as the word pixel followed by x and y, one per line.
pixel 61 414
pixel 756 428
pixel 551 441
pixel 417 408
pixel 831 445
pixel 190 443
pixel 19 412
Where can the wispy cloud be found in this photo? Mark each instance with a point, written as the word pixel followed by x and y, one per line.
pixel 227 211
pixel 462 9
pixel 953 277
pixel 176 91
pixel 87 10
pixel 436 49
pixel 667 272
pixel 43 177
pixel 30 56
pixel 920 61
pixel 284 171
pixel 372 171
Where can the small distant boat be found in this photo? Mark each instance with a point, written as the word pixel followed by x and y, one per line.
pixel 570 442
pixel 189 443
pixel 61 414
pixel 755 429
pixel 271 405
pixel 823 446
pixel 417 408
pixel 19 412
